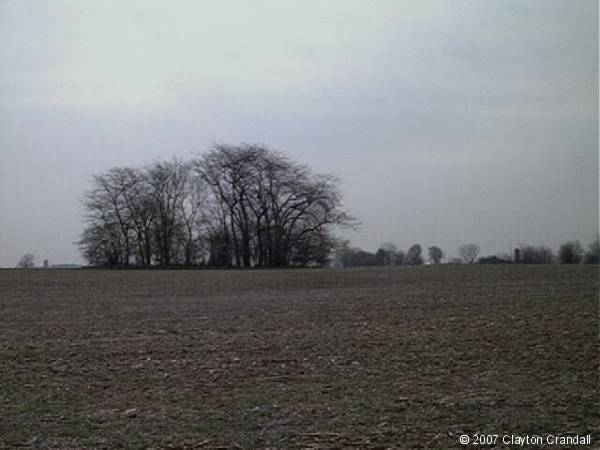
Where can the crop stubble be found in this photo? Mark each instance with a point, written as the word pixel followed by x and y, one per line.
pixel 382 357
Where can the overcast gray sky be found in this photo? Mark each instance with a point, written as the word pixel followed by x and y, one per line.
pixel 446 121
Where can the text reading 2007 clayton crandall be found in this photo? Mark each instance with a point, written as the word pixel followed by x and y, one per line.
pixel 527 439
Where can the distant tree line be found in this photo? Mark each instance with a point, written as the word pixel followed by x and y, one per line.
pixel 570 252
pixel 388 254
pixel 235 206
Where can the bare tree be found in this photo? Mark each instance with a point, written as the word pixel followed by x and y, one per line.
pixel 389 253
pixel 592 256
pixel 110 220
pixel 194 216
pixel 468 253
pixel 399 258
pixel 570 252
pixel 413 256
pixel 228 171
pixel 168 181
pixel 435 254
pixel 27 261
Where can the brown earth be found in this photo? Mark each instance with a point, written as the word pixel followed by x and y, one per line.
pixel 367 358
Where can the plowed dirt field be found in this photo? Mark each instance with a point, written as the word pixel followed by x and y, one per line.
pixel 367 358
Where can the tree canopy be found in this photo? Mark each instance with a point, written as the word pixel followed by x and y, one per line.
pixel 235 206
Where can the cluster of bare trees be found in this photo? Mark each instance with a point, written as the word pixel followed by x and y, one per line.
pixel 235 206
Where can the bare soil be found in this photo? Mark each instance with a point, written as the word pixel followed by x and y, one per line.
pixel 367 358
